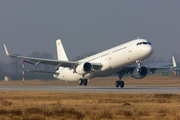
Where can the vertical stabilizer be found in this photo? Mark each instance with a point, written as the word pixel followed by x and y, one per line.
pixel 60 51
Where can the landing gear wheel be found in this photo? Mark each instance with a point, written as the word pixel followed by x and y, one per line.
pixel 85 82
pixel 117 84
pixel 80 81
pixel 121 84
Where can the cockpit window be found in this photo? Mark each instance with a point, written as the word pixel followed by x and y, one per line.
pixel 145 43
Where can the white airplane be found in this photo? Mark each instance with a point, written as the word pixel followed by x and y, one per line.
pixel 116 60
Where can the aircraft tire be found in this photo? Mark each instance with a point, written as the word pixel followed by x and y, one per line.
pixel 85 82
pixel 117 83
pixel 121 84
pixel 80 81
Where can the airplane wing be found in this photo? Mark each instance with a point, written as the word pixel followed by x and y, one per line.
pixel 57 63
pixel 130 68
pixel 153 69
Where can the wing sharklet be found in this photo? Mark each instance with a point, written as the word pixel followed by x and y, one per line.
pixel 174 62
pixel 7 53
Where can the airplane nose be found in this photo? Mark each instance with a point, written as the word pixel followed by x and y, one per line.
pixel 149 49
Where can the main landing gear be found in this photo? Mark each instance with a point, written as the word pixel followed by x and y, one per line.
pixel 120 83
pixel 83 81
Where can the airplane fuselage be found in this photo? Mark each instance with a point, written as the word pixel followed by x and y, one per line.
pixel 113 60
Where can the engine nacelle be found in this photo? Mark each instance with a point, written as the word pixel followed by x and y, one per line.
pixel 139 73
pixel 84 68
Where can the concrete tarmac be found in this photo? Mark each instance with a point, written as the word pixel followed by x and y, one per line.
pixel 96 89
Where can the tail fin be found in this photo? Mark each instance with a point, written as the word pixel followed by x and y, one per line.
pixel 60 51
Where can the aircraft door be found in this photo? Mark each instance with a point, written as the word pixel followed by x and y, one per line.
pixel 110 56
pixel 61 75
pixel 130 48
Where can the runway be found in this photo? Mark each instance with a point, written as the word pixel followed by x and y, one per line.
pixel 96 89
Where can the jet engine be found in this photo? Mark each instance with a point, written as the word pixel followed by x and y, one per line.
pixel 139 73
pixel 84 68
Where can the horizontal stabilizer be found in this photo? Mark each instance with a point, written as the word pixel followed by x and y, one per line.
pixel 47 72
